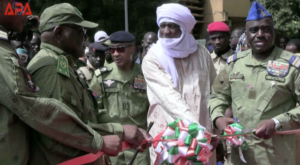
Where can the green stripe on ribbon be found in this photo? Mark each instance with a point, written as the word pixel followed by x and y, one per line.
pixel 198 149
pixel 193 130
pixel 198 163
pixel 204 140
pixel 188 140
pixel 236 125
pixel 174 150
pixel 173 124
pixel 192 158
pixel 177 132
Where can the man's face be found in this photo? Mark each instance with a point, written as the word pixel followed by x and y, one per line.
pixel 219 41
pixel 35 44
pixel 169 30
pixel 234 39
pixel 73 40
pixel 291 48
pixel 282 43
pixel 122 53
pixel 97 59
pixel 148 41
pixel 14 23
pixel 260 35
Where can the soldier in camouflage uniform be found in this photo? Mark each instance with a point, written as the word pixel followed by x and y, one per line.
pixel 121 91
pixel 96 60
pixel 263 86
pixel 63 32
pixel 22 108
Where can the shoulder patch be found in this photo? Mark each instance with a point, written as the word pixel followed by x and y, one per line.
pixel 85 71
pixel 101 70
pixel 63 66
pixel 97 72
pixel 292 59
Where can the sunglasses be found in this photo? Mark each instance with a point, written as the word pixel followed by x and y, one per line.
pixel 81 30
pixel 120 49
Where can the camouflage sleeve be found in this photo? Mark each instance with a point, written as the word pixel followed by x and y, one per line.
pixel 45 115
pixel 291 119
pixel 108 129
pixel 221 95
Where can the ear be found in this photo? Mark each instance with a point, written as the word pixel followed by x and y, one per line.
pixel 57 33
pixel 142 43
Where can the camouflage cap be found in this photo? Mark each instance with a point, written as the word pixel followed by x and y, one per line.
pixel 63 13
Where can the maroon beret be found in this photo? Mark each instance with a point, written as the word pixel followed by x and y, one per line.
pixel 217 27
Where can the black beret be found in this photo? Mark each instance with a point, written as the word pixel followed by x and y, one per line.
pixel 93 47
pixel 121 37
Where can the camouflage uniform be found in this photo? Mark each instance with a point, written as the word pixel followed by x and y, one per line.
pixel 123 100
pixel 255 95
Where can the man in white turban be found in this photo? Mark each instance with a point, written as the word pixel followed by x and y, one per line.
pixel 178 71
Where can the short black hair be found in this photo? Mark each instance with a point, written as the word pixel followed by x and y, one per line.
pixel 239 30
pixel 295 42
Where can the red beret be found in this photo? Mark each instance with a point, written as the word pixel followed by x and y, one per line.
pixel 217 27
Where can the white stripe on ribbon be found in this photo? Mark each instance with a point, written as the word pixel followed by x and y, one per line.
pixel 187 122
pixel 182 136
pixel 169 132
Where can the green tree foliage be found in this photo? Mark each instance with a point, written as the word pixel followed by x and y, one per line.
pixel 286 15
pixel 109 14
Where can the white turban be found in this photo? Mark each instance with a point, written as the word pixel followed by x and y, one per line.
pixel 166 49
pixel 177 12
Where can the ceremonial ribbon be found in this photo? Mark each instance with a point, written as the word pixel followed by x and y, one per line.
pixel 183 141
pixel 237 141
pixel 89 158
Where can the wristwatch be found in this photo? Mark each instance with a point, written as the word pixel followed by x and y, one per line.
pixel 278 126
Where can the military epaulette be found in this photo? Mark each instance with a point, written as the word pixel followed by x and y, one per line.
pixel 236 56
pixel 292 59
pixel 231 58
pixel 86 73
pixel 104 69
pixel 63 66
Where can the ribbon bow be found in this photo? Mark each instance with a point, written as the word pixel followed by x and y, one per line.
pixel 237 141
pixel 182 141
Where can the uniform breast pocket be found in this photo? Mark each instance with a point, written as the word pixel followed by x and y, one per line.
pixel 111 99
pixel 139 102
pixel 238 90
pixel 72 100
pixel 266 100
